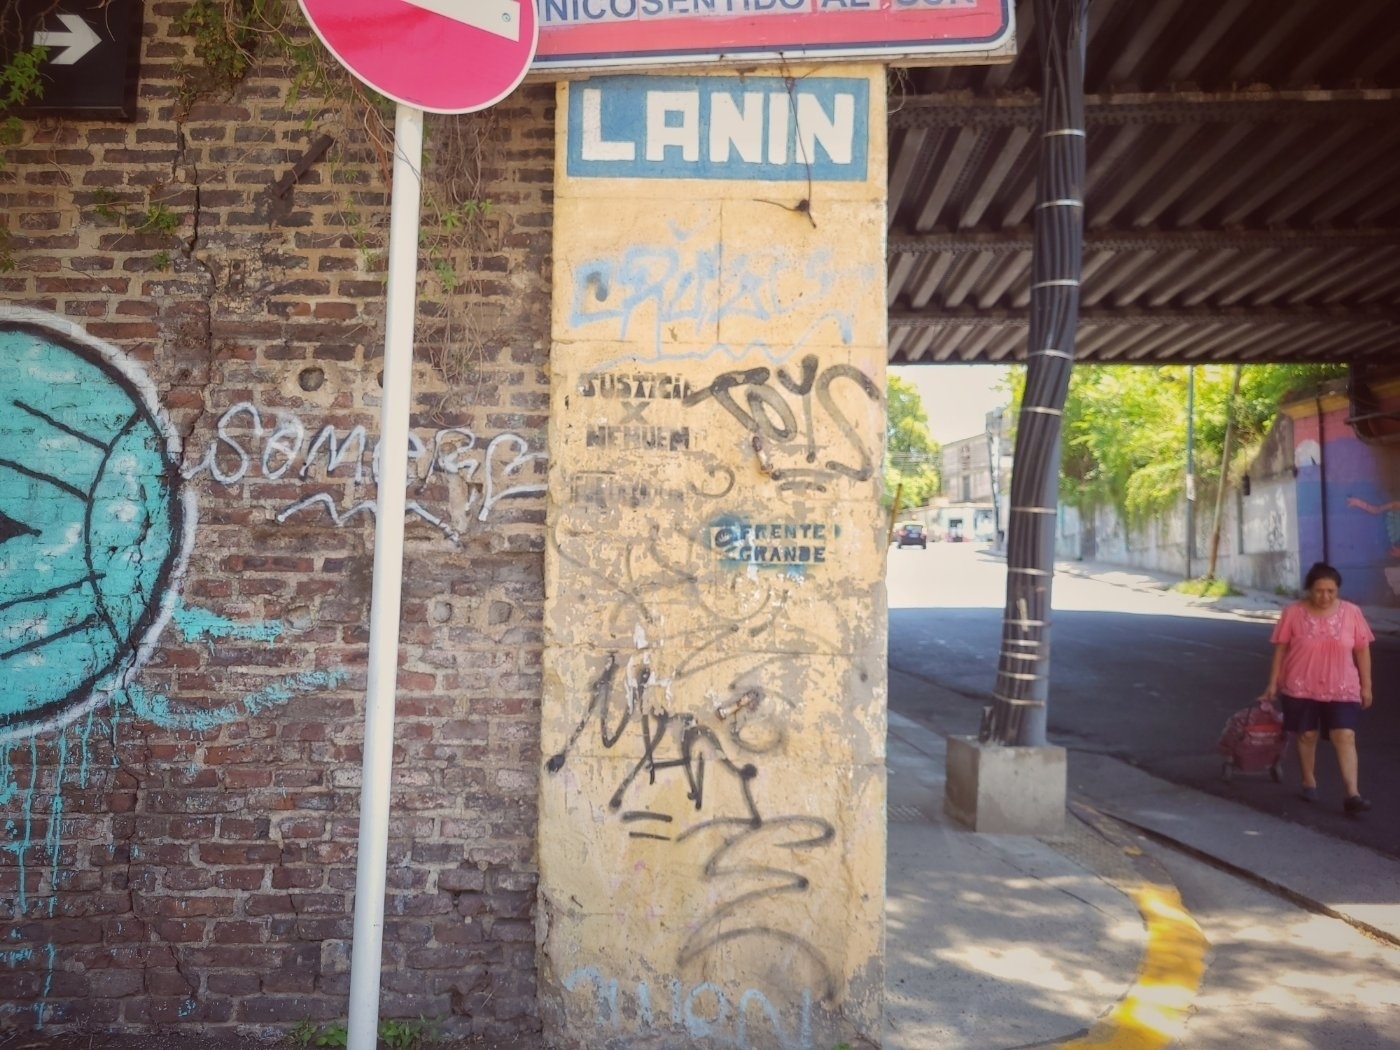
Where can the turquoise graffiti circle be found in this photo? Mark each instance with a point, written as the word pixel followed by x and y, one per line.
pixel 93 521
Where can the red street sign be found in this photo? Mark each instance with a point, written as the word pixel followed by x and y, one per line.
pixel 579 35
pixel 443 56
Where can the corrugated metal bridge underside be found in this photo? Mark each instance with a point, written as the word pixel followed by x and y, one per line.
pixel 1242 200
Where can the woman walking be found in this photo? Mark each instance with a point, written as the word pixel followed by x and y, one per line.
pixel 1321 674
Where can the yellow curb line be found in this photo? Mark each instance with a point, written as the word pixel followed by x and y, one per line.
pixel 1153 1012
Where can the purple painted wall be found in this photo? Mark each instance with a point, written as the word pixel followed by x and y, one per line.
pixel 1350 517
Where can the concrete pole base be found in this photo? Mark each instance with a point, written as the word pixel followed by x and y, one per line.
pixel 1005 790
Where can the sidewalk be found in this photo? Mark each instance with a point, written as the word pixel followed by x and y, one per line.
pixel 1253 604
pixel 997 942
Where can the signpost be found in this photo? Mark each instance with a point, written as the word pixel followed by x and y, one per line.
pixel 443 56
pixel 93 56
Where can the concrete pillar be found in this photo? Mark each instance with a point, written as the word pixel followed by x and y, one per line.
pixel 712 814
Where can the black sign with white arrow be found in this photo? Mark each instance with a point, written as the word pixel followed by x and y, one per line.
pixel 93 56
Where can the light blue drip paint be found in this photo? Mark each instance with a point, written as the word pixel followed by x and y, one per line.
pixel 54 838
pixel 7 775
pixel 20 837
pixel 157 709
pixel 153 708
pixel 198 624
pixel 49 954
pixel 86 734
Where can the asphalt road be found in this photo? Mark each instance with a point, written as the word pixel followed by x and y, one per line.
pixel 1148 678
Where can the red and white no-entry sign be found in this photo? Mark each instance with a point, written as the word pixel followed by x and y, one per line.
pixel 443 56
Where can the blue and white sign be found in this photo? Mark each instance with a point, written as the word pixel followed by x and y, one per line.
pixel 767 128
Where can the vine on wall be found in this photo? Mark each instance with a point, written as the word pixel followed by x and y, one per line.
pixel 230 36
pixel 228 40
pixel 20 82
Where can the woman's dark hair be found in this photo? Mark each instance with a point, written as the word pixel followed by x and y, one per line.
pixel 1321 571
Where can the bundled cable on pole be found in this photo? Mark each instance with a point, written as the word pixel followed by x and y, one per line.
pixel 1017 715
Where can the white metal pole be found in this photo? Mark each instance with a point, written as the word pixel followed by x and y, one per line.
pixel 386 592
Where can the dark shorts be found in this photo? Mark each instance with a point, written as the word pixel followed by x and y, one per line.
pixel 1303 716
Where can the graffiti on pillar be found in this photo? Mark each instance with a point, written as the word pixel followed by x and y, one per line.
pixel 782 411
pixel 808 425
pixel 750 856
pixel 718 416
pixel 656 703
pixel 791 546
pixel 702 1010
pixel 671 299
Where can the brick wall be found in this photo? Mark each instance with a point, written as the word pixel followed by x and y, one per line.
pixel 179 821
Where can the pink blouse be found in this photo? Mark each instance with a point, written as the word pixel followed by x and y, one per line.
pixel 1319 664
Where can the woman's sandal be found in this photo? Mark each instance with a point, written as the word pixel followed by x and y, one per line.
pixel 1308 794
pixel 1356 805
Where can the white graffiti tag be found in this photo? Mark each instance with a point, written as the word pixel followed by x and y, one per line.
pixel 248 445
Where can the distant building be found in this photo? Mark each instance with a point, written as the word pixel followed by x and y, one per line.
pixel 972 504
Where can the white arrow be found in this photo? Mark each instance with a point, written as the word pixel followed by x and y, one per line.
pixel 497 17
pixel 77 42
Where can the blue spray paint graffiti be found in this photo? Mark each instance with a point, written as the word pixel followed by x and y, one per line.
pixel 158 709
pixel 704 1012
pixel 195 624
pixel 681 292
pixel 19 834
pixel 94 524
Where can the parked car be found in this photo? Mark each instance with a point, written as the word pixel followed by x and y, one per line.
pixel 911 534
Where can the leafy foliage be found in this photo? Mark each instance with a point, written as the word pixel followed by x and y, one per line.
pixel 20 82
pixel 395 1035
pixel 229 38
pixel 1203 587
pixel 911 454
pixel 1125 428
pixel 222 40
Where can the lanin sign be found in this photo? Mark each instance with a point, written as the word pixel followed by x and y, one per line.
pixel 708 127
pixel 600 34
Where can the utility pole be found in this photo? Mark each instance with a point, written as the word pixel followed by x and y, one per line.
pixel 994 421
pixel 1190 465
pixel 1224 469
pixel 1020 701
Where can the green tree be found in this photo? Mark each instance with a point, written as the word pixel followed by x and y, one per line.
pixel 911 454
pixel 1124 428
